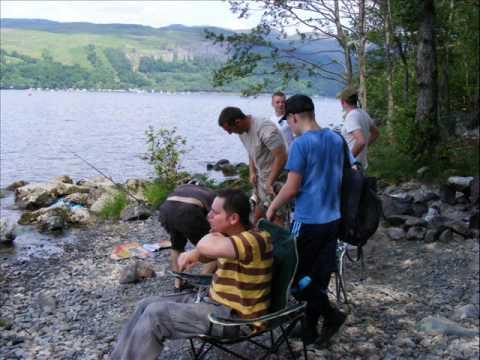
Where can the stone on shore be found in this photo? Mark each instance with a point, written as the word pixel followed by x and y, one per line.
pixel 460 183
pixel 136 272
pixel 135 212
pixel 443 326
pixel 7 232
pixel 15 185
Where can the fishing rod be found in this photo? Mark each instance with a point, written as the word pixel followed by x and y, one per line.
pixel 119 186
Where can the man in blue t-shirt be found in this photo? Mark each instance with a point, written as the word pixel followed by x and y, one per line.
pixel 315 165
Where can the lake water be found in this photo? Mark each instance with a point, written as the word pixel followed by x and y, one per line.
pixel 38 128
pixel 108 130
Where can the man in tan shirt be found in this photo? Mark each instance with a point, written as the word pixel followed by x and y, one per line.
pixel 266 151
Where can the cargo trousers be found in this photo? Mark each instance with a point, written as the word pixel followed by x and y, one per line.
pixel 159 318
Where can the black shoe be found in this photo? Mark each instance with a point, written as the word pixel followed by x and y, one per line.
pixel 331 327
pixel 308 335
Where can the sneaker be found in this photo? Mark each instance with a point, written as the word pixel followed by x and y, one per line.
pixel 330 328
pixel 308 335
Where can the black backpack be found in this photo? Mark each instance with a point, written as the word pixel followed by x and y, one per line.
pixel 361 207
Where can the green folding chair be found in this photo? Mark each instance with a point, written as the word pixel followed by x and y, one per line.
pixel 283 315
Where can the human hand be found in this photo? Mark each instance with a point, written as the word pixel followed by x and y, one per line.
pixel 270 215
pixel 270 191
pixel 187 260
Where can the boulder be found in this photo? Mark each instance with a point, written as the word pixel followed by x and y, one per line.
pixel 79 216
pixel 397 205
pixel 100 203
pixel 419 209
pixel 475 190
pixel 423 171
pixel 407 220
pixel 218 165
pixel 7 232
pixel 229 170
pixel 63 179
pixel 35 196
pixel 15 185
pixel 474 220
pixel 446 236
pixel 447 194
pixel 416 233
pixel 135 212
pixel 78 198
pixel 443 326
pixel 136 272
pixel 62 189
pixel 430 236
pixel 52 220
pixel 469 311
pixel 210 166
pixel 460 183
pixel 396 233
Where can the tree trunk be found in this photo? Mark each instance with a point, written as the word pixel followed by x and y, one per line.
pixel 362 60
pixel 389 66
pixel 426 67
pixel 343 41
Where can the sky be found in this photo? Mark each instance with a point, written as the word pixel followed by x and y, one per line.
pixel 151 13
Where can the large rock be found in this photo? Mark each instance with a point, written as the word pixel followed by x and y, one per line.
pixel 35 196
pixel 395 233
pixel 79 216
pixel 79 198
pixel 136 272
pixel 416 233
pixel 64 179
pixel 460 183
pixel 15 185
pixel 475 190
pixel 135 212
pixel 100 203
pixel 62 189
pixel 220 163
pixel 397 205
pixel 447 194
pixel 443 326
pixel 7 232
pixel 53 220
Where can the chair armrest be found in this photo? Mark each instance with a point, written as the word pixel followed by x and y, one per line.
pixel 194 279
pixel 289 311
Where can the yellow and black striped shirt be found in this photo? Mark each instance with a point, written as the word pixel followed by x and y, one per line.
pixel 244 283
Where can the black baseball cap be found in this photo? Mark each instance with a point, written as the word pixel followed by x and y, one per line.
pixel 298 104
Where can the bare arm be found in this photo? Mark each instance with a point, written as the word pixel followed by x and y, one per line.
pixel 210 247
pixel 360 142
pixel 287 193
pixel 252 171
pixel 374 134
pixel 280 158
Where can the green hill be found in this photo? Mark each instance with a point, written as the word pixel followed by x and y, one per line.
pixel 48 54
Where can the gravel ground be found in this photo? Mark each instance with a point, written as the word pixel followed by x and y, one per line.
pixel 72 306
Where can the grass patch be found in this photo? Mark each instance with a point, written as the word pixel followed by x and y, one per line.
pixel 114 207
pixel 157 192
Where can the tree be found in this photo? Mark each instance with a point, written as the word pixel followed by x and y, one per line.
pixel 426 69
pixel 269 51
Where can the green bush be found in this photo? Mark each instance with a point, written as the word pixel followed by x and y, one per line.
pixel 157 192
pixel 114 207
pixel 164 152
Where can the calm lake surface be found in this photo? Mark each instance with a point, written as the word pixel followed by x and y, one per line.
pixel 38 128
pixel 108 129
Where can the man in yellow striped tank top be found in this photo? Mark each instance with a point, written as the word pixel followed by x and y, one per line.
pixel 240 287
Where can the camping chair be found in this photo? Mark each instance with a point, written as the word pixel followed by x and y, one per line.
pixel 283 315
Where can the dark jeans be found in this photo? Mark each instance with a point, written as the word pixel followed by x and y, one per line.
pixel 316 244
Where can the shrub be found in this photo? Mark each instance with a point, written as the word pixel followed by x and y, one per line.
pixel 164 152
pixel 114 207
pixel 157 192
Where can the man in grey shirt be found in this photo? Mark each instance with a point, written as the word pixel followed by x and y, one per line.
pixel 266 151
pixel 359 129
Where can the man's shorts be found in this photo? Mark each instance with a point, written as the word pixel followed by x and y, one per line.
pixel 183 222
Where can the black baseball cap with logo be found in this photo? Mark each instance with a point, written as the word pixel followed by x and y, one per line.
pixel 297 104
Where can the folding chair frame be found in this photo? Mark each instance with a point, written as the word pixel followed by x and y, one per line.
pixel 290 316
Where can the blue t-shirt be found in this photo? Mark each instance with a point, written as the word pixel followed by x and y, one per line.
pixel 318 157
